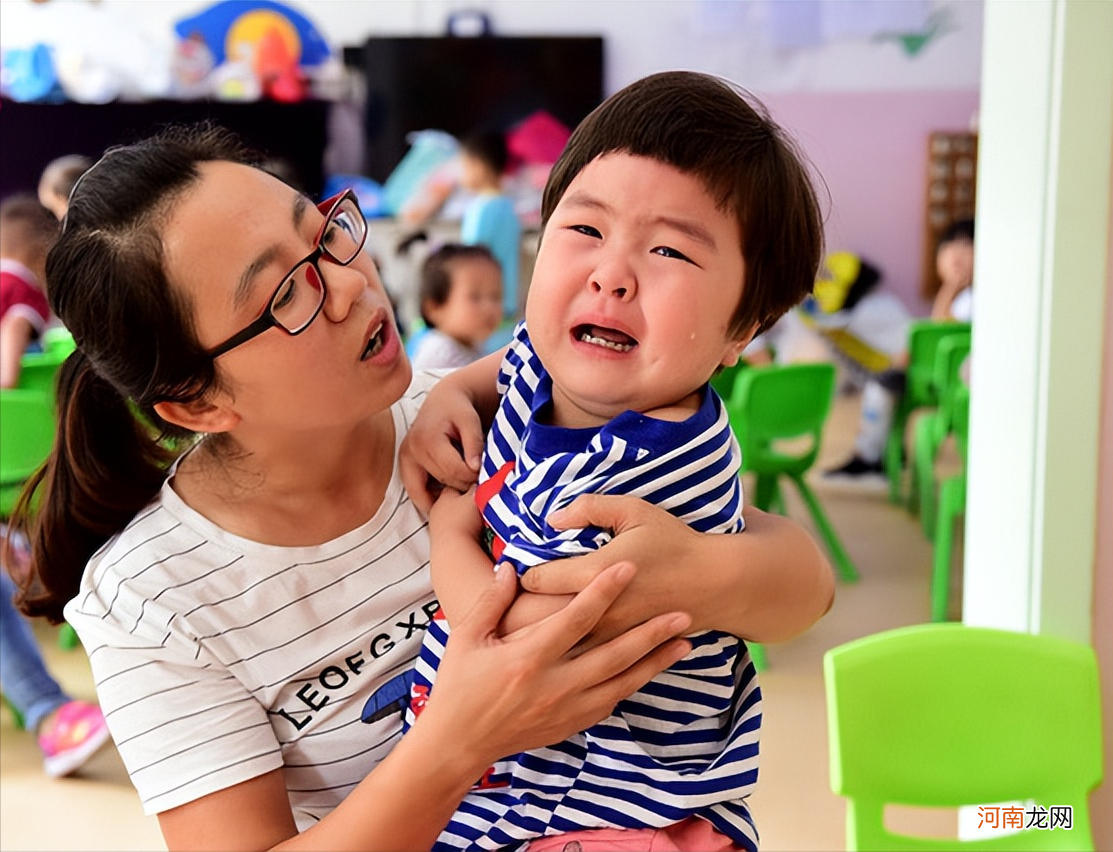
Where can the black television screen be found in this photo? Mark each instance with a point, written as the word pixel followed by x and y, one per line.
pixel 456 84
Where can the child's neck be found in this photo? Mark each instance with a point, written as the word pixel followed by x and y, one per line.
pixel 568 414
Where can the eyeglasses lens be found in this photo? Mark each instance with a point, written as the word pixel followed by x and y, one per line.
pixel 297 301
pixel 344 232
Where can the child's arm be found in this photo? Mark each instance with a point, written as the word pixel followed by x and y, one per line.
pixel 445 442
pixel 461 569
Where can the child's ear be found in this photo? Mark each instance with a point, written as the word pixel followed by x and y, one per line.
pixel 734 348
pixel 198 416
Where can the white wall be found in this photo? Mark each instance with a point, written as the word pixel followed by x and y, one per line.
pixel 727 37
pixel 860 105
pixel 1043 243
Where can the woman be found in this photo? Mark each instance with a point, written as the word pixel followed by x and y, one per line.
pixel 252 618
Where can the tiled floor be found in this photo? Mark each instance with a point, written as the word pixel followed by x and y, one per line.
pixel 794 807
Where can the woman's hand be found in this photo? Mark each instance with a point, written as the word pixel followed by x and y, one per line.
pixel 768 583
pixel 660 544
pixel 496 696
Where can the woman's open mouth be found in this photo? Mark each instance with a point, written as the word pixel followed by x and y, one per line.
pixel 375 343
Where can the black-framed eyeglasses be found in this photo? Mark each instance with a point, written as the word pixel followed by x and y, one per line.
pixel 298 300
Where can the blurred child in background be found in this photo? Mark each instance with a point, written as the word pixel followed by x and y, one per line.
pixel 57 181
pixel 27 230
pixel 461 303
pixel 489 218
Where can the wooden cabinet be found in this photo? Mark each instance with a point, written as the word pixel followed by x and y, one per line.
pixel 952 171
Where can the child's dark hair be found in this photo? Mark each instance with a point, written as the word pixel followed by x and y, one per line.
pixel 136 346
pixel 706 127
pixel 960 229
pixel 436 272
pixel 489 147
pixel 26 226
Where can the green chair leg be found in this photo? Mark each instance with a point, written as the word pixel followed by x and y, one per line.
pixel 843 565
pixel 952 503
pixel 922 495
pixel 894 454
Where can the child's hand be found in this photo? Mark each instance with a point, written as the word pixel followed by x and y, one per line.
pixel 442 447
pixel 661 545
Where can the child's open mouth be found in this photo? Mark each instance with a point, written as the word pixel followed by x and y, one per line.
pixel 608 338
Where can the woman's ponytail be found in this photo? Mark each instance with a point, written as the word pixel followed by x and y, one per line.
pixel 106 281
pixel 106 465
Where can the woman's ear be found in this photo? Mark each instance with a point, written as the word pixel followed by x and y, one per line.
pixel 198 416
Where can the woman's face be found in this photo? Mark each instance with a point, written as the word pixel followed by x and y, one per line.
pixel 229 242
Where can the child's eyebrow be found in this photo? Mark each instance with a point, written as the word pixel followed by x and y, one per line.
pixel 689 227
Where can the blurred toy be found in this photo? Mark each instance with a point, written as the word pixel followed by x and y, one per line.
pixel 191 66
pixel 30 76
pixel 277 69
pixel 233 29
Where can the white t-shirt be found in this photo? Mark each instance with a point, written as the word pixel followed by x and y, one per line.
pixel 218 659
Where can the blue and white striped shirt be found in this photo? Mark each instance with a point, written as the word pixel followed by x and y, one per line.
pixel 687 743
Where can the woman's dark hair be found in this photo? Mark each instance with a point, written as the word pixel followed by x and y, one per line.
pixel 136 346
pixel 706 127
pixel 436 272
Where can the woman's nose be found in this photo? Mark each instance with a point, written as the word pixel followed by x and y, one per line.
pixel 344 286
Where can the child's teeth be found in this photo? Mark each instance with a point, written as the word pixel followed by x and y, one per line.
pixel 587 337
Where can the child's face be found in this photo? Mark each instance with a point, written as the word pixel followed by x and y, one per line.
pixel 636 281
pixel 476 175
pixel 954 263
pixel 473 309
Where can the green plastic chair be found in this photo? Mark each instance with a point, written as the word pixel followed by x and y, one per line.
pixel 26 436
pixel 919 392
pixel 772 404
pixel 58 341
pixel 723 381
pixel 932 428
pixel 952 503
pixel 39 370
pixel 946 715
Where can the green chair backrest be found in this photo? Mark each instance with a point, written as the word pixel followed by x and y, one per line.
pixel 946 715
pixel 58 341
pixel 38 370
pixel 924 337
pixel 27 429
pixel 774 403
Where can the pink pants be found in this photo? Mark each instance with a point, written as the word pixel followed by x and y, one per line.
pixel 691 835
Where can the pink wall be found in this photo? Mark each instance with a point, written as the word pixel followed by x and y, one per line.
pixel 871 149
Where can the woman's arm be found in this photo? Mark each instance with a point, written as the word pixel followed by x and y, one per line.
pixel 495 696
pixel 768 583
